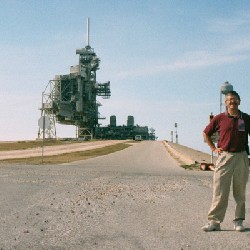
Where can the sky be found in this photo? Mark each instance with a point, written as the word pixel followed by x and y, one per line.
pixel 166 60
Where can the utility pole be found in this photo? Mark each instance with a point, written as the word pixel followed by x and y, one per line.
pixel 176 133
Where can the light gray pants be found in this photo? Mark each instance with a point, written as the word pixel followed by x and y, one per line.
pixel 230 167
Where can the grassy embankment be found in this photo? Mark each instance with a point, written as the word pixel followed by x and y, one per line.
pixel 57 159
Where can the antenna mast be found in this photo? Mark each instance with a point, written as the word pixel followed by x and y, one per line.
pixel 88 31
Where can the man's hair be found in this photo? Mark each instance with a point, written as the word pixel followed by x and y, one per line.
pixel 234 93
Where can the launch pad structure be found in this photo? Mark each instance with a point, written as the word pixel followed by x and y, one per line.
pixel 71 99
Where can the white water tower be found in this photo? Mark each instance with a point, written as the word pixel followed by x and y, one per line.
pixel 224 89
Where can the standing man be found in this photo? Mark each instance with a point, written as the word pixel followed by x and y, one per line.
pixel 232 165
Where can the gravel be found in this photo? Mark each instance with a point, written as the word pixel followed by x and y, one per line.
pixel 138 198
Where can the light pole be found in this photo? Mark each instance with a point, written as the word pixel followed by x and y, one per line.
pixel 176 134
pixel 225 88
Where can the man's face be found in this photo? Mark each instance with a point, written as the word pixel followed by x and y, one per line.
pixel 232 102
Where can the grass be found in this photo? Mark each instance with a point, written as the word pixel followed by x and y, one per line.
pixel 69 157
pixel 20 145
pixel 191 167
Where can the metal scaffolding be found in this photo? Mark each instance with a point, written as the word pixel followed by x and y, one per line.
pixel 71 99
pixel 47 110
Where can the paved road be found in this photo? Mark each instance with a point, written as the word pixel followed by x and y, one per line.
pixel 138 198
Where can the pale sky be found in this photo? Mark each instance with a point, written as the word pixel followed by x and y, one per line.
pixel 165 60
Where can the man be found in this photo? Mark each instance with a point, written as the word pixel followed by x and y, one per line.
pixel 232 164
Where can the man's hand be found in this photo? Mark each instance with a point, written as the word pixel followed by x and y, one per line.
pixel 218 150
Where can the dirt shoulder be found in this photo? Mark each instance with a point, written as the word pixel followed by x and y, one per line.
pixel 56 150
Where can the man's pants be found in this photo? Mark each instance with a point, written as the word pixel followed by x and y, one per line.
pixel 230 167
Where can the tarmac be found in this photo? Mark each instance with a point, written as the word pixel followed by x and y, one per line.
pixel 137 198
pixel 181 153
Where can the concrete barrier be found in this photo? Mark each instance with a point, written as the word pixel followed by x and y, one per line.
pixel 180 157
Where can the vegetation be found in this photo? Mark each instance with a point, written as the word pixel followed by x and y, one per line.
pixel 20 145
pixel 69 157
pixel 194 166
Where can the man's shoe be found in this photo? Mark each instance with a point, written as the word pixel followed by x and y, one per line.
pixel 238 226
pixel 211 226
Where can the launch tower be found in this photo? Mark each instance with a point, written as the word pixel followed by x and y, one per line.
pixel 71 99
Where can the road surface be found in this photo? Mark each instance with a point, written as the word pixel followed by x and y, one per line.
pixel 138 198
